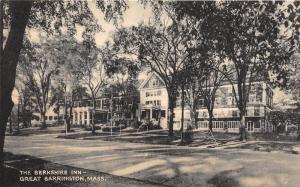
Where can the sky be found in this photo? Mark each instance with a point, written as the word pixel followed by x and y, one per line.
pixel 135 14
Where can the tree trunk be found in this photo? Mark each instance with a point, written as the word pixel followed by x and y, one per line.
pixel 193 116
pixel 43 120
pixel 243 135
pixel 20 11
pixel 68 124
pixel 172 101
pixel 70 117
pixel 182 113
pixel 93 116
pixel 210 120
pixel 66 116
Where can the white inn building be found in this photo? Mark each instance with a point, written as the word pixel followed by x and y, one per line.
pixel 154 104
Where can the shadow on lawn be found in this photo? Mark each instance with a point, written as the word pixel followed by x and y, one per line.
pixel 224 179
pixel 268 147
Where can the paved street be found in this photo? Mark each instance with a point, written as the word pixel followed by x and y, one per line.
pixel 168 165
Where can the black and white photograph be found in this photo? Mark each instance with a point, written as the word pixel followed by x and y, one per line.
pixel 129 93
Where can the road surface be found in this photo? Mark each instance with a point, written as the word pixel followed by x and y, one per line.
pixel 168 165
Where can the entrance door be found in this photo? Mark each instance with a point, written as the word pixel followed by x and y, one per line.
pixel 250 126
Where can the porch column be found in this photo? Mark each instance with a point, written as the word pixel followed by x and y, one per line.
pixel 150 114
pixel 74 113
pixel 88 117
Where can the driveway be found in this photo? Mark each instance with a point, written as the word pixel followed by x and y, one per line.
pixel 168 165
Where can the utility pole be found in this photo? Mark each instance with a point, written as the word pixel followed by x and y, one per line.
pixel 65 115
pixel 111 114
pixel 182 112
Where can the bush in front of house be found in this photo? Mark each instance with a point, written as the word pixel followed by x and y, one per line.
pixel 148 125
pixel 108 128
pixel 89 127
pixel 188 134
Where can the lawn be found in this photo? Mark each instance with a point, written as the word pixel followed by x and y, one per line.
pixel 197 138
pixel 269 147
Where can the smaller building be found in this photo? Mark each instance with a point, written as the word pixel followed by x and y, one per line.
pixel 117 107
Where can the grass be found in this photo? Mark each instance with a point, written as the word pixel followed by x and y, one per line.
pixel 83 135
pixel 38 131
pixel 269 147
pixel 275 137
pixel 161 137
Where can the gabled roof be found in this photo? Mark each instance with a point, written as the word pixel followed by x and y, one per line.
pixel 149 76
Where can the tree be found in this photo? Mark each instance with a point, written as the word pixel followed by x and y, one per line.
pixel 39 71
pixel 91 70
pixel 25 99
pixel 67 81
pixel 293 85
pixel 37 14
pixel 205 74
pixel 209 82
pixel 163 48
pixel 249 34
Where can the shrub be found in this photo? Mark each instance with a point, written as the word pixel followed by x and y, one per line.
pixel 188 134
pixel 89 127
pixel 148 125
pixel 137 124
pixel 108 128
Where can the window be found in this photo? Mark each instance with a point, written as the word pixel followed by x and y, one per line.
pixel 203 124
pixel 252 99
pixel 233 124
pixel 201 102
pixel 91 117
pixel 158 102
pixel 46 117
pixel 218 124
pixel 75 114
pixel 256 111
pixel 218 101
pixel 55 117
pixel 155 83
pixel 229 100
pixel 234 113
pixel 85 115
pixel 163 113
pixel 80 117
pixel 257 124
pixel 250 112
pixel 50 118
